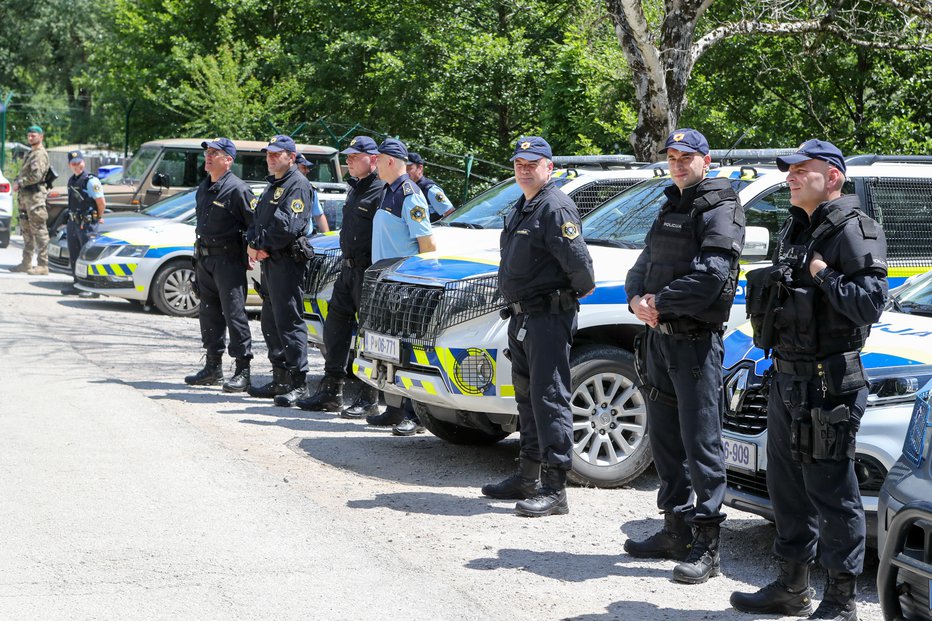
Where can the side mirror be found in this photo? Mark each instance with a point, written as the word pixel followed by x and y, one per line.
pixel 756 243
pixel 161 180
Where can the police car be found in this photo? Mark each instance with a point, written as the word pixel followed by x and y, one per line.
pixel 898 361
pixel 452 360
pixel 6 210
pixel 589 180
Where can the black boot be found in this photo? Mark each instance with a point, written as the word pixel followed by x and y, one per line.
pixel 788 595
pixel 328 398
pixel 297 390
pixel 838 601
pixel 240 380
pixel 702 562
pixel 390 417
pixel 409 425
pixel 522 484
pixel 673 540
pixel 550 499
pixel 278 386
pixel 211 374
pixel 366 403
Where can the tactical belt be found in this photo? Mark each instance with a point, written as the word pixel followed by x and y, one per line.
pixel 213 251
pixel 799 368
pixel 354 262
pixel 687 327
pixel 559 300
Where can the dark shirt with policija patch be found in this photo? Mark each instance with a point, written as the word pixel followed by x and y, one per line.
pixel 224 209
pixel 283 212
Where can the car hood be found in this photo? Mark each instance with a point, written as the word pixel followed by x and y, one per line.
pixel 896 340
pixel 156 235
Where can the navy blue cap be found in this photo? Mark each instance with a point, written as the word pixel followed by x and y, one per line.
pixel 75 156
pixel 687 140
pixel 394 148
pixel 302 160
pixel 221 144
pixel 531 148
pixel 814 150
pixel 361 144
pixel 281 143
pixel 415 158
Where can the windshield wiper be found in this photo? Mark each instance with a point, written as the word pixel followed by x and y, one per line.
pixel 894 303
pixel 913 307
pixel 612 243
pixel 465 225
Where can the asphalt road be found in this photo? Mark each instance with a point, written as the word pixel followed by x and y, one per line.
pixel 125 494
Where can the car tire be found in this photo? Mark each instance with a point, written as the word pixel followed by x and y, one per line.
pixel 457 434
pixel 173 289
pixel 610 441
pixel 5 238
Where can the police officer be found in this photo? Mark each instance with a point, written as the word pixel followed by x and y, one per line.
pixel 682 286
pixel 86 206
pixel 401 228
pixel 281 219
pixel 545 266
pixel 814 308
pixel 317 213
pixel 30 184
pixel 362 201
pixel 224 207
pixel 440 205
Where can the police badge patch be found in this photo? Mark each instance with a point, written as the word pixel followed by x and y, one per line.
pixel 570 230
pixel 441 197
pixel 253 203
pixel 418 214
pixel 297 205
pixel 278 193
pixel 678 137
pixel 525 145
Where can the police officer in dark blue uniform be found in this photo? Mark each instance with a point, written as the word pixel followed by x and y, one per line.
pixel 440 205
pixel 224 207
pixel 545 267
pixel 281 220
pixel 814 308
pixel 86 206
pixel 682 286
pixel 362 201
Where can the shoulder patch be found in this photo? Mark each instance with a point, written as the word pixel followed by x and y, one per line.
pixel 278 193
pixel 441 197
pixel 417 213
pixel 407 187
pixel 253 203
pixel 570 230
pixel 297 205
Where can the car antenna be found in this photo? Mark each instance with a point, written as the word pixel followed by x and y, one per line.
pixel 735 144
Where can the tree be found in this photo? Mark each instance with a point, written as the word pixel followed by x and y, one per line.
pixel 662 43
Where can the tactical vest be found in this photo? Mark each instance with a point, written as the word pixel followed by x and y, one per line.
pixel 79 203
pixel 675 244
pixel 425 184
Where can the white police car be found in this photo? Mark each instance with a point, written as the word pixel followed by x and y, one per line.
pixel 6 210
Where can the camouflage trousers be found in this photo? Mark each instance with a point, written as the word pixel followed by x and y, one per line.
pixel 35 229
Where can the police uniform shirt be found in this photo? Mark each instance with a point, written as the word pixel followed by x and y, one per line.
pixel 316 209
pixel 282 212
pixel 362 203
pixel 91 191
pixel 438 201
pixel 543 248
pixel 402 218
pixel 224 209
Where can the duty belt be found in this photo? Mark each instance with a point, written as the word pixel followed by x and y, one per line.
pixel 559 300
pixel 799 368
pixel 211 251
pixel 354 262
pixel 686 327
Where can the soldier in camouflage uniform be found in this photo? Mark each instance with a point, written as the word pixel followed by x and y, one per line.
pixel 33 214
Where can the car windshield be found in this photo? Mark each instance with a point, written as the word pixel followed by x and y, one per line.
pixel 915 297
pixel 172 207
pixel 625 220
pixel 488 210
pixel 136 168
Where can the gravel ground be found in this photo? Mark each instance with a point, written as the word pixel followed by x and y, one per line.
pixel 402 518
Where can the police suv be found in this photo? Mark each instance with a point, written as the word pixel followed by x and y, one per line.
pixel 432 331
pixel 589 180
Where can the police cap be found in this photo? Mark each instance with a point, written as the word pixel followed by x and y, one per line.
pixel 415 158
pixel 361 144
pixel 75 156
pixel 531 148
pixel 814 150
pixel 281 143
pixel 687 140
pixel 221 144
pixel 394 148
pixel 303 161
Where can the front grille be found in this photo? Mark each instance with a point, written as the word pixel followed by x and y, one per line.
pixel 321 271
pixel 754 484
pixel 103 282
pixel 750 418
pixel 60 261
pixel 418 313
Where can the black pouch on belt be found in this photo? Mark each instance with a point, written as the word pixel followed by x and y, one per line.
pixel 844 373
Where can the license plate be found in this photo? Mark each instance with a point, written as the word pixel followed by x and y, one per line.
pixel 382 347
pixel 54 251
pixel 742 455
pixel 80 270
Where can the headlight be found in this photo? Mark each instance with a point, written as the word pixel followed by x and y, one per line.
pixel 897 384
pixel 132 251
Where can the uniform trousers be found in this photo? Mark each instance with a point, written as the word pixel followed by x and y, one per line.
pixel 78 236
pixel 221 283
pixel 341 319
pixel 283 312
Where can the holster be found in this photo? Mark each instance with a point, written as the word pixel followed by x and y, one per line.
pixel 832 434
pixel 796 401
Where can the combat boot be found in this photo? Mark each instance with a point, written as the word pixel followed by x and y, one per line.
pixel 211 374
pixel 38 270
pixel 365 404
pixel 390 417
pixel 838 601
pixel 297 390
pixel 278 386
pixel 519 486
pixel 703 561
pixel 550 499
pixel 673 541
pixel 240 380
pixel 24 267
pixel 328 398
pixel 788 595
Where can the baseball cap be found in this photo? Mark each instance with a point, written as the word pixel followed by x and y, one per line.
pixel 415 158
pixel 687 140
pixel 222 144
pixel 361 144
pixel 814 150
pixel 281 143
pixel 34 128
pixel 531 148
pixel 394 148
pixel 302 160
pixel 75 156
